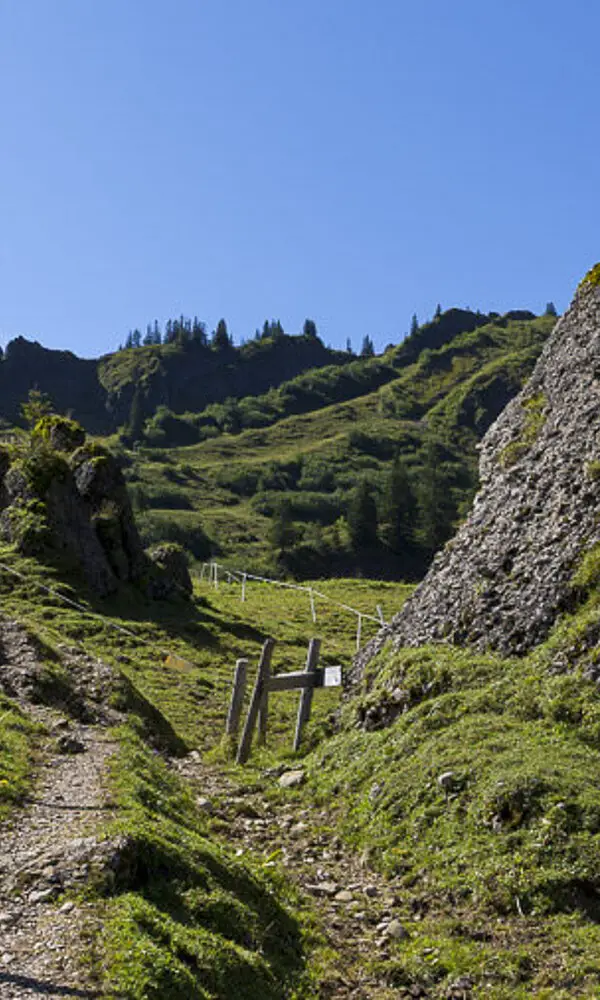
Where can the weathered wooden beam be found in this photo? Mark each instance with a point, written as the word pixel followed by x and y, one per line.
pixel 237 697
pixel 264 667
pixel 306 697
pixel 298 679
pixel 295 680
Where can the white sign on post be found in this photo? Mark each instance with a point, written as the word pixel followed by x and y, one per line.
pixel 332 677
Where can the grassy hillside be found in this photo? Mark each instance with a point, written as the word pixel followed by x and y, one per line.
pixel 425 407
pixel 480 802
pixel 186 917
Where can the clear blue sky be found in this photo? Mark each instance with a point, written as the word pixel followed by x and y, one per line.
pixel 346 160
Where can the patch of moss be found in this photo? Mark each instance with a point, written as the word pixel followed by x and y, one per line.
pixel 587 574
pixel 534 421
pixel 16 747
pixel 592 277
pixel 186 919
pixel 60 433
pixel 41 466
pixel 28 526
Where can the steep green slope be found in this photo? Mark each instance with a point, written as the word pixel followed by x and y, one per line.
pixel 482 798
pixel 429 413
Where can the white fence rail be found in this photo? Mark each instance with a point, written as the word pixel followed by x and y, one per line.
pixel 213 574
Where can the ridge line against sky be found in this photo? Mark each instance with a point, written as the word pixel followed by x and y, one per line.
pixel 350 162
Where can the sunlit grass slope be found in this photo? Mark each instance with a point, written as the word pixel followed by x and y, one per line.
pixel 186 917
pixel 227 487
pixel 483 798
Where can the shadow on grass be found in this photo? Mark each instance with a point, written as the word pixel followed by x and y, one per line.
pixel 214 918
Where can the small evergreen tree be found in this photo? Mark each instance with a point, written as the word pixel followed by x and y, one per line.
pixel 221 340
pixel 398 509
pixel 310 329
pixel 438 311
pixel 550 309
pixel 348 345
pixel 36 406
pixel 414 324
pixel 282 533
pixel 368 347
pixel 362 516
pixel 436 506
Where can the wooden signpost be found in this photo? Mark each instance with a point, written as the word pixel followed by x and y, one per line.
pixel 305 681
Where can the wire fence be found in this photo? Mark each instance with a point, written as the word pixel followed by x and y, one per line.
pixel 214 574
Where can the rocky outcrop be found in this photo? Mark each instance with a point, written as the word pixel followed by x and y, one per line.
pixel 64 499
pixel 174 576
pixel 501 582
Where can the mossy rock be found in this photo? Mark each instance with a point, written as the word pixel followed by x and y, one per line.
pixel 25 525
pixel 171 559
pixel 592 277
pixel 4 462
pixel 60 433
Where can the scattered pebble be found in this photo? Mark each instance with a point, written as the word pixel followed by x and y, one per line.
pixel 292 779
pixel 41 895
pixel 323 888
pixel 446 780
pixel 396 931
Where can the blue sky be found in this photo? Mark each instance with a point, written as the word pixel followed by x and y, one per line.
pixel 346 160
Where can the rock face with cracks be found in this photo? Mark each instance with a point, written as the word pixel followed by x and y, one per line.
pixel 64 498
pixel 506 576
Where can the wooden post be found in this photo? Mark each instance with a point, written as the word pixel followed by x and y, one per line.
pixel 263 711
pixel 312 605
pixel 256 702
pixel 216 575
pixel 237 697
pixel 358 631
pixel 243 588
pixel 202 572
pixel 380 613
pixel 307 694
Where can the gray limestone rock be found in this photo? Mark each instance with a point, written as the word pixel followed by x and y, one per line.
pixel 503 580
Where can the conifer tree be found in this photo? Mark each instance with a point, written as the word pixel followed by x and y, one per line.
pixel 310 329
pixel 281 531
pixel 436 506
pixel 368 348
pixel 37 405
pixel 221 340
pixel 362 516
pixel 398 509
